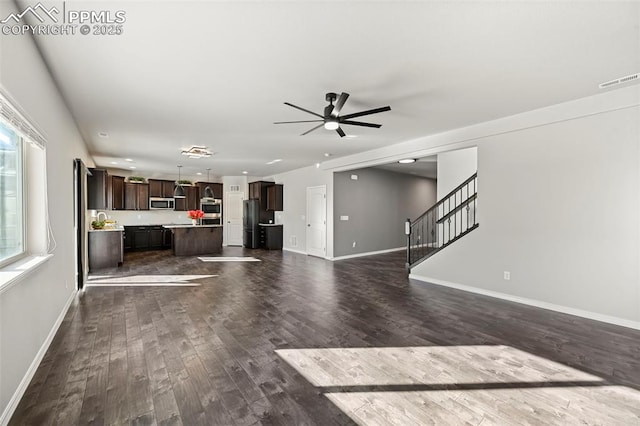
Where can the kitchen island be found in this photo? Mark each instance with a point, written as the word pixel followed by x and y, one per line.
pixel 195 240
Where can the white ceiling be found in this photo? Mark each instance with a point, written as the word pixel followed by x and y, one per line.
pixel 426 167
pixel 217 73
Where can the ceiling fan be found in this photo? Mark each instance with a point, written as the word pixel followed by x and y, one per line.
pixel 331 120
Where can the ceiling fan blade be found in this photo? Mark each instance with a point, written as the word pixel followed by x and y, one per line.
pixel 302 109
pixel 339 104
pixel 360 123
pixel 367 112
pixel 302 121
pixel 311 130
pixel 341 132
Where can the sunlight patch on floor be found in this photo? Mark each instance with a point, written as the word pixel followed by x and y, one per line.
pixel 145 280
pixel 455 384
pixel 229 259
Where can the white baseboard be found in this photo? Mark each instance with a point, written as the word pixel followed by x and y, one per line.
pixel 294 251
pixel 369 253
pixel 532 302
pixel 22 387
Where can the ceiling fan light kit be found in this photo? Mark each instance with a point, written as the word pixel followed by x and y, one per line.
pixel 332 120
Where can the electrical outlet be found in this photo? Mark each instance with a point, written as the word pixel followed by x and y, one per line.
pixel 354 177
pixel 344 217
pixel 507 275
pixel 354 244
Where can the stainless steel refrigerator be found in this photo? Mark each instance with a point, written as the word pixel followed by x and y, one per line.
pixel 250 219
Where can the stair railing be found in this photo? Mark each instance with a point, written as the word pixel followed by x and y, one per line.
pixel 445 222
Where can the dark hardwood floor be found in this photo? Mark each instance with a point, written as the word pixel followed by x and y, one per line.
pixel 250 343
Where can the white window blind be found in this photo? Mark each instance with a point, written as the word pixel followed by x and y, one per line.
pixel 20 124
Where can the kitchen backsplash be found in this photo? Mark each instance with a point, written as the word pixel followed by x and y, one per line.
pixel 148 217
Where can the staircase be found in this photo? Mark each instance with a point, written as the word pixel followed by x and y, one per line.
pixel 450 219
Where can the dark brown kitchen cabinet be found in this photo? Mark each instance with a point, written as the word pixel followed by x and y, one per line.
pixel 146 237
pixel 271 237
pixel 97 186
pixel 161 188
pixel 215 187
pixel 116 199
pixel 156 237
pixel 258 191
pixel 191 200
pixel 274 198
pixel 136 196
pixel 105 249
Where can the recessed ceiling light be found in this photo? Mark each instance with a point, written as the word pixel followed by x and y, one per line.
pixel 132 167
pixel 317 165
pixel 103 134
pixel 199 174
pixel 327 154
pixel 277 160
pixel 129 160
pixel 245 172
pixel 407 161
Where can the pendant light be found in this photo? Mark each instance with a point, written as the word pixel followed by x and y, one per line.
pixel 178 192
pixel 208 192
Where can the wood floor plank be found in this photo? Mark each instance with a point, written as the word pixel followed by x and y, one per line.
pixel 297 340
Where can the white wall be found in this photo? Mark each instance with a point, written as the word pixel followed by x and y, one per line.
pixel 293 217
pixel 30 308
pixel 454 167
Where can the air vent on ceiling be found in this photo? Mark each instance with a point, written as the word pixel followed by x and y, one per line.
pixel 234 188
pixel 620 80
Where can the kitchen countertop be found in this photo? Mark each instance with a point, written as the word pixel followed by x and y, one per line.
pixel 114 228
pixel 191 226
pixel 269 224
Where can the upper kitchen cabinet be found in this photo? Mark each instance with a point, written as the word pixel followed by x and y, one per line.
pixel 215 187
pixel 161 188
pixel 116 193
pixel 274 197
pixel 97 187
pixel 258 191
pixel 191 200
pixel 136 196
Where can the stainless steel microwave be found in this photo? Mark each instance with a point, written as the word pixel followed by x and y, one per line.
pixel 156 203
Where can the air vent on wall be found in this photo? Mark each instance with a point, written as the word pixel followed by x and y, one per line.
pixel 620 80
pixel 234 188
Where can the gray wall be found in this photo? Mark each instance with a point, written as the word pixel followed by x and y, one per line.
pixel 558 209
pixel 378 203
pixel 30 309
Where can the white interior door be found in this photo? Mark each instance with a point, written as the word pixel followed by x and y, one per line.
pixel 317 221
pixel 233 218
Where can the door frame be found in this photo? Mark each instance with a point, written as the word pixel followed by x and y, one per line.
pixel 324 188
pixel 80 207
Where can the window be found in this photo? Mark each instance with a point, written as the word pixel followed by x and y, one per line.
pixel 12 229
